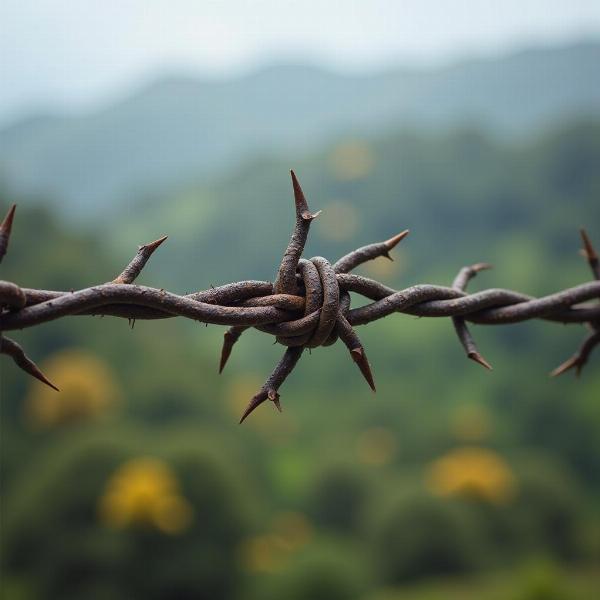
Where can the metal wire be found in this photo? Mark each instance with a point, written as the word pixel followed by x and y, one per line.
pixel 308 305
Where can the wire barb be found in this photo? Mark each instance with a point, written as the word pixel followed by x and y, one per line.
pixel 580 358
pixel 230 337
pixel 5 229
pixel 590 254
pixel 356 349
pixel 138 262
pixel 285 283
pixel 12 349
pixel 269 391
pixel 364 254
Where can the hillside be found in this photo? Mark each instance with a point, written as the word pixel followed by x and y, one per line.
pixel 181 128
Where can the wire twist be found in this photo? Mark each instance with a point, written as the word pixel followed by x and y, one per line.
pixel 308 305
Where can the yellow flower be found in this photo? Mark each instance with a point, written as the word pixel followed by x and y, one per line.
pixel 145 491
pixel 473 472
pixel 87 390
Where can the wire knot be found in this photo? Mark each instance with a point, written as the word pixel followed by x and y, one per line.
pixel 319 286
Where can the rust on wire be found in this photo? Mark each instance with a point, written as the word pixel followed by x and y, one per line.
pixel 308 305
pixel 138 262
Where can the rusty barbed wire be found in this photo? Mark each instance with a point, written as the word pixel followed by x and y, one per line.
pixel 308 305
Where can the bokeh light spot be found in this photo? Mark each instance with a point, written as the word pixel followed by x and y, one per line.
pixel 338 221
pixel 376 446
pixel 352 160
pixel 145 491
pixel 472 472
pixel 88 390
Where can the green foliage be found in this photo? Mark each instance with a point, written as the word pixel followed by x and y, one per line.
pixel 55 525
pixel 422 536
pixel 325 571
pixel 339 498
pixel 542 582
pixel 545 515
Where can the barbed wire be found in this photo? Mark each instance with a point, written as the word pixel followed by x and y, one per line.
pixel 307 306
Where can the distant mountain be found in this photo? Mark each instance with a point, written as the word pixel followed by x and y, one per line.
pixel 179 129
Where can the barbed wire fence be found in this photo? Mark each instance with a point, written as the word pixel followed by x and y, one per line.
pixel 307 306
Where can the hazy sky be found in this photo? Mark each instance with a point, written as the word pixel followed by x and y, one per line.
pixel 78 52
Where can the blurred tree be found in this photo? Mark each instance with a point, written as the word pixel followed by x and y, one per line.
pixel 338 499
pixel 57 536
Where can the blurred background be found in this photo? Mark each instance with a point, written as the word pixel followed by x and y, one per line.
pixel 476 125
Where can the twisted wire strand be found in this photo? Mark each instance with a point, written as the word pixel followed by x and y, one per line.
pixel 308 305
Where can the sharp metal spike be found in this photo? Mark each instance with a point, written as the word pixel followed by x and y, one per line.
pixel 138 262
pixel 14 350
pixel 481 267
pixel 360 358
pixel 299 198
pixel 225 350
pixel 590 254
pixel 394 241
pixel 273 396
pixel 566 366
pixel 253 404
pixel 5 229
pixel 479 359
pixel 587 245
pixel 152 246
pixel 230 337
pixel 6 225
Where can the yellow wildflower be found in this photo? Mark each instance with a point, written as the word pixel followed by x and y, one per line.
pixel 145 491
pixel 474 472
pixel 87 390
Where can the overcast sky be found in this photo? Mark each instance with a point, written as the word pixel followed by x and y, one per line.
pixel 76 53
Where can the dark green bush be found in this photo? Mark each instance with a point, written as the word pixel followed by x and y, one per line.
pixel 420 535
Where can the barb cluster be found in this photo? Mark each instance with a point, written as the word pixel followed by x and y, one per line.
pixel 308 305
